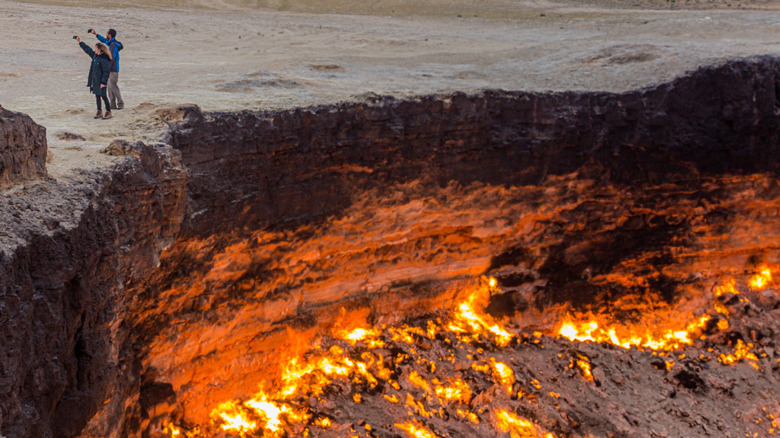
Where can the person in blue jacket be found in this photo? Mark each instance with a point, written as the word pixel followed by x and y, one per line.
pixel 98 74
pixel 114 96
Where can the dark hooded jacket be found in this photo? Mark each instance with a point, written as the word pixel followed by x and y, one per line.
pixel 98 70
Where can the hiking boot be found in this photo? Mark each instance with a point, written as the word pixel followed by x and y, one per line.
pixel 108 115
pixel 99 114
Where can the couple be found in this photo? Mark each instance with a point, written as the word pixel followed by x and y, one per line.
pixel 104 72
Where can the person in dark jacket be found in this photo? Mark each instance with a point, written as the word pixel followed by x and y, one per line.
pixel 114 46
pixel 98 74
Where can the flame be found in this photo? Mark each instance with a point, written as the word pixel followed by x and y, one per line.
pixel 369 336
pixel 274 410
pixel 761 280
pixel 469 416
pixel 516 426
pixel 268 410
pixel 417 380
pixel 591 330
pixel 234 420
pixel 729 286
pixel 456 391
pixel 407 333
pixel 173 430
pixel 584 365
pixel 741 351
pixel 418 406
pixel 671 337
pixel 468 320
pixel 271 411
pixel 503 374
pixel 416 430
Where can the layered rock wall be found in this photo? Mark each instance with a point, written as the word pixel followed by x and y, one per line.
pixel 68 248
pixel 251 169
pixel 22 148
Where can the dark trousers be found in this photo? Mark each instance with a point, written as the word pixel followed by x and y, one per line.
pixel 105 99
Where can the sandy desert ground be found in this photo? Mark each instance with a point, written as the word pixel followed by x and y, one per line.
pixel 242 54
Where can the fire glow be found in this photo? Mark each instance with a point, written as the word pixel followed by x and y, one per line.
pixel 359 356
pixel 761 280
pixel 672 335
pixel 267 412
pixel 669 339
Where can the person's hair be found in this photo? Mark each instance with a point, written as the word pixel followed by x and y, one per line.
pixel 112 32
pixel 104 49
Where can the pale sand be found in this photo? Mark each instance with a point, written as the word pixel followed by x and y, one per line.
pixel 232 55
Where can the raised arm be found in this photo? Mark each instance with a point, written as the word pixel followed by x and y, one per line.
pixel 88 50
pixel 99 37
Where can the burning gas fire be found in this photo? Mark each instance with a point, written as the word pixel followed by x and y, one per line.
pixel 671 335
pixel 627 337
pixel 761 280
pixel 379 360
pixel 518 427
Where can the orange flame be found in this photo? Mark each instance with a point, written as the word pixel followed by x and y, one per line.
pixel 468 320
pixel 456 391
pixel 516 426
pixel 669 339
pixel 369 336
pixel 584 364
pixel 416 430
pixel 309 375
pixel 234 418
pixel 741 351
pixel 761 280
pixel 469 416
pixel 175 432
pixel 503 374
pixel 727 287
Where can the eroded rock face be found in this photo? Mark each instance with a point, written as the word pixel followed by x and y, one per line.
pixel 68 248
pixel 22 148
pixel 300 165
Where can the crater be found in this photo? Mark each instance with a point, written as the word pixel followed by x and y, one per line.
pixel 139 300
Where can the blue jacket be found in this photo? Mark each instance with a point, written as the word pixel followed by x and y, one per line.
pixel 113 46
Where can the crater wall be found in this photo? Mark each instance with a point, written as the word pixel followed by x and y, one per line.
pixel 254 168
pixel 280 219
pixel 382 207
pixel 68 249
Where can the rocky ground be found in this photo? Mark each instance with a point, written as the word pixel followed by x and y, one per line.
pixel 276 54
pixel 431 381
